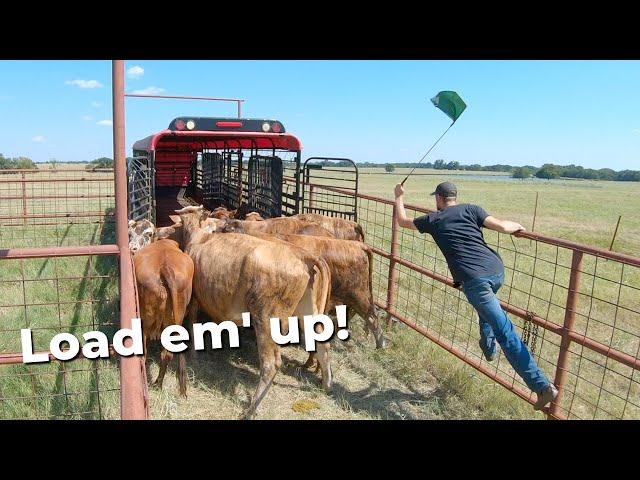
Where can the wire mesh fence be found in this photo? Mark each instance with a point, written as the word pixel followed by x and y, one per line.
pixel 577 308
pixel 53 279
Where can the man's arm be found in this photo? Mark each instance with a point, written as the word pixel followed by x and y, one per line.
pixel 502 226
pixel 401 215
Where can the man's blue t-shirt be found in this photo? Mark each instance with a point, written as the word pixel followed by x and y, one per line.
pixel 457 230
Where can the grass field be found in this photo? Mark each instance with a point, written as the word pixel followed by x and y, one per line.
pixel 413 378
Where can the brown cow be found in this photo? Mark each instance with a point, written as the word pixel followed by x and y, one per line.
pixel 164 277
pixel 278 225
pixel 351 266
pixel 339 227
pixel 238 273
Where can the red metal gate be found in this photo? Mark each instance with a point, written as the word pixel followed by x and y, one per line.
pixel 578 305
pixel 65 266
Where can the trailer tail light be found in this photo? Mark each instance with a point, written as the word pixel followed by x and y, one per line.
pixel 191 125
pixel 179 124
pixel 266 127
pixel 276 127
pixel 229 124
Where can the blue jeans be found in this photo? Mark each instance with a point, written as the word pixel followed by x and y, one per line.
pixel 495 325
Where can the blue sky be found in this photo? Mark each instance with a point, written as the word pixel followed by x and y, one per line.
pixel 519 112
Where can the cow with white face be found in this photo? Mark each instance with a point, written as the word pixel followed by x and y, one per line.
pixel 140 234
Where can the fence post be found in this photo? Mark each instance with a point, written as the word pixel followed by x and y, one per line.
pixel 393 274
pixel 311 194
pixel 567 328
pixel 133 385
pixel 24 199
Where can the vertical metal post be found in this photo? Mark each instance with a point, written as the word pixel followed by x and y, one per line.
pixel 535 213
pixel 393 274
pixel 311 199
pixel 239 108
pixel 133 385
pixel 613 239
pixel 24 199
pixel 567 328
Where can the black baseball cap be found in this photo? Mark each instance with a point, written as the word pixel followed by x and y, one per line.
pixel 446 190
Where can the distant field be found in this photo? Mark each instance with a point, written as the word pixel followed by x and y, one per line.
pixel 584 211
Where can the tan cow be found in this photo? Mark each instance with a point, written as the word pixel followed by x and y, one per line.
pixel 238 273
pixel 253 217
pixel 278 225
pixel 164 277
pixel 339 227
pixel 351 266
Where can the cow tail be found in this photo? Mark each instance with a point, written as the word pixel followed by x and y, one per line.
pixel 176 303
pixel 321 284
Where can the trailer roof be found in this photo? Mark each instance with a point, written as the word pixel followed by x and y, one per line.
pixel 197 133
pixel 198 140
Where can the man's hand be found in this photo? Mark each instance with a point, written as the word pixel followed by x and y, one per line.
pixel 399 190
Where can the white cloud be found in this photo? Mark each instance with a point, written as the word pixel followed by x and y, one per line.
pixel 106 123
pixel 149 91
pixel 84 83
pixel 135 72
pixel 87 118
pixel 96 104
pixel 38 138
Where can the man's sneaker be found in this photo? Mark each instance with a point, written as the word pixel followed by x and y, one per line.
pixel 548 395
pixel 490 358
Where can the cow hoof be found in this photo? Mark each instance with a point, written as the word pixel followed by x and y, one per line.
pixel 381 344
pixel 249 415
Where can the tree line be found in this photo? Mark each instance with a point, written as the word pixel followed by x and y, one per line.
pixel 546 171
pixel 25 163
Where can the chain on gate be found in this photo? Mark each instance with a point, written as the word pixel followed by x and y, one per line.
pixel 529 329
pixel 530 333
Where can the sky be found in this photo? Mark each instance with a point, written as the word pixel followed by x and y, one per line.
pixel 518 112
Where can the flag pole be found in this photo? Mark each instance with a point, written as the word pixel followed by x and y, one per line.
pixel 425 155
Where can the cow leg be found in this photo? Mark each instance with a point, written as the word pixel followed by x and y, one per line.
pixel 325 365
pixel 310 361
pixel 190 319
pixel 270 362
pixel 181 374
pixel 165 358
pixel 372 324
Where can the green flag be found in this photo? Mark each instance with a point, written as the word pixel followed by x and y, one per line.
pixel 450 103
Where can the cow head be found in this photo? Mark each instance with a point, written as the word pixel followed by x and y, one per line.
pixel 220 212
pixel 140 234
pixel 212 224
pixel 232 225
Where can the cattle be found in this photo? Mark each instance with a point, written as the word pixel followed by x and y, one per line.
pixel 351 265
pixel 222 212
pixel 339 227
pixel 140 234
pixel 164 276
pixel 238 273
pixel 254 217
pixel 172 232
pixel 278 225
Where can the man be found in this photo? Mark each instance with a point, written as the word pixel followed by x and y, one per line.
pixel 479 272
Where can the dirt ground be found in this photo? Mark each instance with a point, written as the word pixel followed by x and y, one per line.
pixel 220 383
